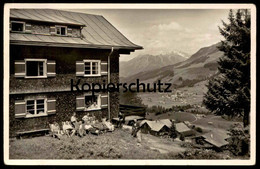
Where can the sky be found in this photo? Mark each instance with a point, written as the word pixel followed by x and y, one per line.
pixel 162 31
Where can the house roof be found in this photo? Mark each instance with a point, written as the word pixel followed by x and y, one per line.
pixel 181 127
pixel 97 32
pixel 157 125
pixel 215 138
pixel 44 16
pixel 129 118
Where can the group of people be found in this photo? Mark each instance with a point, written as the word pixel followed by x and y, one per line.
pixel 88 124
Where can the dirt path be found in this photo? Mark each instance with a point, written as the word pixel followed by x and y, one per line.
pixel 161 144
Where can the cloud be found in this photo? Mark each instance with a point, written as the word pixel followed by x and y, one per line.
pixel 168 27
pixel 167 37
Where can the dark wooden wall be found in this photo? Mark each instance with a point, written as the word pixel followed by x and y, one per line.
pixel 65 106
pixel 65 71
pixel 65 57
pixel 65 67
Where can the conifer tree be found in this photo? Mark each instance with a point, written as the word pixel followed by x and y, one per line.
pixel 229 92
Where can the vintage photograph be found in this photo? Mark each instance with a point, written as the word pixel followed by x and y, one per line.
pixel 170 83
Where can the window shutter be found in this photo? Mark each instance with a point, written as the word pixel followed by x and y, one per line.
pixel 104 101
pixel 10 26
pixel 69 31
pixel 51 106
pixel 51 68
pixel 80 103
pixel 80 68
pixel 19 68
pixel 52 30
pixel 104 68
pixel 28 28
pixel 20 110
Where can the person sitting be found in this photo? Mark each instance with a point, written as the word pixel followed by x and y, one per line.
pixel 108 125
pixel 55 130
pixel 67 128
pixel 92 120
pixel 87 123
pixel 86 118
pixel 75 129
pixel 82 130
pixel 99 126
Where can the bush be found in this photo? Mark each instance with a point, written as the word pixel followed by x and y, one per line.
pixel 182 138
pixel 239 141
pixel 198 129
pixel 157 109
pixel 199 154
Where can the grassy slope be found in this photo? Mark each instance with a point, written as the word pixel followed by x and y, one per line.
pixel 116 145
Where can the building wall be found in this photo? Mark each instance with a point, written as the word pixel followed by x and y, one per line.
pixel 65 106
pixel 65 67
pixel 65 71
pixel 44 28
pixel 65 57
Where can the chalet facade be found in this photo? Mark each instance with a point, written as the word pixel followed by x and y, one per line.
pixel 48 48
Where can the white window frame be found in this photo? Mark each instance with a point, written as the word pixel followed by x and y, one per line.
pixel 18 22
pixel 98 102
pixel 44 68
pixel 99 68
pixel 61 26
pixel 28 115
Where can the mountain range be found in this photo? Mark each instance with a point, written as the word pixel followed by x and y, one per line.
pixel 179 71
pixel 147 62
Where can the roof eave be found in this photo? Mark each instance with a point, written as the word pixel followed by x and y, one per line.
pixel 32 43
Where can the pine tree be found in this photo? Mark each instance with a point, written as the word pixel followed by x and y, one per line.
pixel 229 92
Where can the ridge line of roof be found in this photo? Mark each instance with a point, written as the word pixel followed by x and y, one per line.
pixel 69 13
pixel 59 11
pixel 103 31
pixel 75 12
pixel 111 30
pixel 121 33
pixel 93 29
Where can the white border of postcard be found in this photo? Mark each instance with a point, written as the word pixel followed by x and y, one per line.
pixel 8 161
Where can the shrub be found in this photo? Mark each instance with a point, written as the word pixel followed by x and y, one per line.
pixel 239 141
pixel 198 129
pixel 199 154
pixel 182 138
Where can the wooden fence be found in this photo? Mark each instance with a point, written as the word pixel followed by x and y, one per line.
pixel 129 110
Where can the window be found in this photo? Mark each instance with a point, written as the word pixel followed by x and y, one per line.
pixel 92 67
pixel 92 102
pixel 35 67
pixel 35 107
pixel 17 26
pixel 61 30
pixel 89 102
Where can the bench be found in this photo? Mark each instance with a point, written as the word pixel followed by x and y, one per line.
pixel 32 133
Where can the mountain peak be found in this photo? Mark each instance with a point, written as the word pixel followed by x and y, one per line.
pixel 147 62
